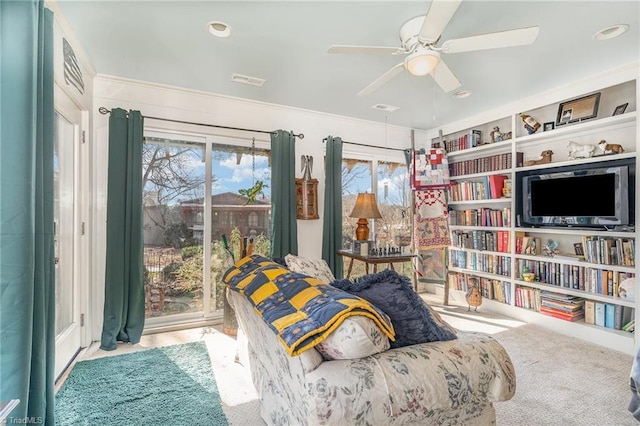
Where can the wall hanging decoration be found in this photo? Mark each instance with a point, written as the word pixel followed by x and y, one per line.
pixel 307 191
pixel 429 180
pixel 430 169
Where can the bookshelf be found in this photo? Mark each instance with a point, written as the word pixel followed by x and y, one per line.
pixel 575 296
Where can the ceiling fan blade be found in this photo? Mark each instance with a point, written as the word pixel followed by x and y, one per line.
pixel 445 77
pixel 382 80
pixel 437 18
pixel 507 38
pixel 385 50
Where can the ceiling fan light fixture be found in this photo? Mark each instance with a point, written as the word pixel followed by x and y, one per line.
pixel 611 32
pixel 422 62
pixel 219 29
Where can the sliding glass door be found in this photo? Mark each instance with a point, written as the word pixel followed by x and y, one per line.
pixel 197 190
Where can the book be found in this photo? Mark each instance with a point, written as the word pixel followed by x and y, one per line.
pixel 589 312
pixel 609 315
pixel 496 183
pixel 599 314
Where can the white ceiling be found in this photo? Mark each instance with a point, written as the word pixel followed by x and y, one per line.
pixel 286 44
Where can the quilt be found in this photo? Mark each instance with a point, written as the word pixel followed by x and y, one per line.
pixel 302 311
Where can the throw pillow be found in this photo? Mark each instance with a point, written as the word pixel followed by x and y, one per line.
pixel 316 268
pixel 394 294
pixel 357 337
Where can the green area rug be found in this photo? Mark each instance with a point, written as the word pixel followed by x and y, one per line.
pixel 163 386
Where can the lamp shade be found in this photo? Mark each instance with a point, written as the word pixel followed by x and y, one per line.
pixel 422 62
pixel 366 207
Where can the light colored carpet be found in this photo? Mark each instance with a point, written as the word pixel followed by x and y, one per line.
pixel 560 380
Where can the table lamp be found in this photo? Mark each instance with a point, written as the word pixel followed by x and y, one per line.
pixel 365 208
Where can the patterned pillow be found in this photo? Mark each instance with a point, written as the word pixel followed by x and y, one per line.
pixel 393 293
pixel 357 337
pixel 316 268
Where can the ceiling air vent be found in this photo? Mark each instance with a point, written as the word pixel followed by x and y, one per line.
pixel 245 79
pixel 386 108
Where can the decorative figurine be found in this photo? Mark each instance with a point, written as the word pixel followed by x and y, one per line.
pixel 550 248
pixel 546 158
pixel 610 148
pixel 580 151
pixel 474 295
pixel 530 123
pixel 496 135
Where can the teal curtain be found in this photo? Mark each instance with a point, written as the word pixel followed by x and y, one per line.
pixel 284 225
pixel 27 278
pixel 332 218
pixel 124 278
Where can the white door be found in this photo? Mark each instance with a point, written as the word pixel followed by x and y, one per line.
pixel 66 168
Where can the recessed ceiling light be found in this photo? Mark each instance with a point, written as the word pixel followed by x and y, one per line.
pixel 611 32
pixel 461 94
pixel 219 29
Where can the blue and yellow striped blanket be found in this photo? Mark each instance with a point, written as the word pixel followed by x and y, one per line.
pixel 301 310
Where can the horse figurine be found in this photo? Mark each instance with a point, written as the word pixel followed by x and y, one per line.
pixel 580 151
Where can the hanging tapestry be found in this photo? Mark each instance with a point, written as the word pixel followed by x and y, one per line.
pixel 430 169
pixel 431 266
pixel 431 221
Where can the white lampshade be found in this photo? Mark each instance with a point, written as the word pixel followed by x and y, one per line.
pixel 422 62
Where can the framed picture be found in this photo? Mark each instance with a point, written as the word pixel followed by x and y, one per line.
pixel 620 109
pixel 548 126
pixel 579 109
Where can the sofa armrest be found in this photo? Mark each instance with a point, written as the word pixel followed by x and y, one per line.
pixel 414 382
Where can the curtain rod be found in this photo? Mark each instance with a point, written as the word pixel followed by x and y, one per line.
pixel 104 110
pixel 372 146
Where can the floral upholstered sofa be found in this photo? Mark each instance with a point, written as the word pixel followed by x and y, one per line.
pixel 453 382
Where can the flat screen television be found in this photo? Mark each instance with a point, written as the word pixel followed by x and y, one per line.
pixel 592 195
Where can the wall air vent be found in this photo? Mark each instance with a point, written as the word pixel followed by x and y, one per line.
pixel 245 79
pixel 386 108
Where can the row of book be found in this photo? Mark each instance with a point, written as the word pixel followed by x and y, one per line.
pixel 584 278
pixel 482 262
pixel 528 298
pixel 490 163
pixel 490 288
pixel 489 188
pixel 609 251
pixel 481 240
pixel 609 315
pixel 527 245
pixel 466 141
pixel 481 217
pixel 574 308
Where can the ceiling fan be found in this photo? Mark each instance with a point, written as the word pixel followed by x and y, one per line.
pixel 419 37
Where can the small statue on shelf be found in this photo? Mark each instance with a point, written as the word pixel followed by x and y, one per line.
pixel 530 123
pixel 496 135
pixel 610 148
pixel 550 248
pixel 546 158
pixel 580 151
